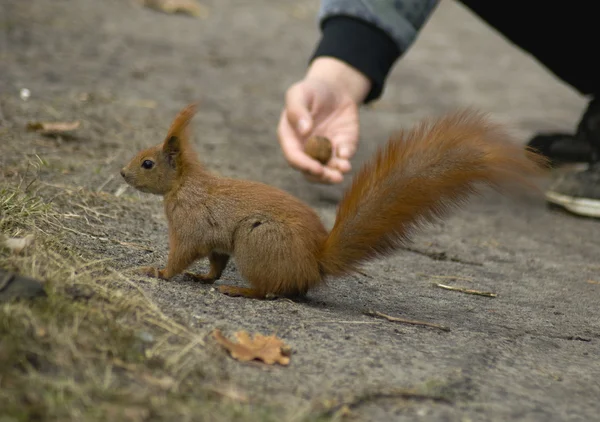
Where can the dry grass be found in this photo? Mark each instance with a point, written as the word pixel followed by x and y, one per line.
pixel 97 348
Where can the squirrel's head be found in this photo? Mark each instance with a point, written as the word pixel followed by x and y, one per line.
pixel 158 169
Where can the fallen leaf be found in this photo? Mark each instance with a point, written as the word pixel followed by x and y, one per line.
pixel 48 128
pixel 269 349
pixel 18 244
pixel 593 282
pixel 188 7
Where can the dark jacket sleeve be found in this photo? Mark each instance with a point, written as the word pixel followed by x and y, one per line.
pixel 371 35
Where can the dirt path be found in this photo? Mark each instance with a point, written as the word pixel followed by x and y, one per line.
pixel 531 353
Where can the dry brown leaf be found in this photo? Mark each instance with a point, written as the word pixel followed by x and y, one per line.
pixel 18 244
pixel 269 349
pixel 188 7
pixel 48 128
pixel 593 282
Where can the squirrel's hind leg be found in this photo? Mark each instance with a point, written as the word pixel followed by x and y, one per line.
pixel 246 292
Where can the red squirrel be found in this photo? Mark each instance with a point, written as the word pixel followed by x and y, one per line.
pixel 280 244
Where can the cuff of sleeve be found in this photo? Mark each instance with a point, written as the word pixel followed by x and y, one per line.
pixel 361 45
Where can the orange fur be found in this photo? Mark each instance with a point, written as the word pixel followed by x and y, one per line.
pixel 419 177
pixel 279 243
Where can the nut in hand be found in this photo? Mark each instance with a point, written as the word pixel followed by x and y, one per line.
pixel 319 148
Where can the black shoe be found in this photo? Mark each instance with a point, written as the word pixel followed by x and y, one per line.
pixel 581 147
pixel 578 191
pixel 562 148
pixel 14 286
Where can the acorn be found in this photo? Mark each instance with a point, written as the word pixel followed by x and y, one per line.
pixel 319 148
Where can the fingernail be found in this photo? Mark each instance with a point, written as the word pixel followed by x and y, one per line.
pixel 303 125
pixel 344 152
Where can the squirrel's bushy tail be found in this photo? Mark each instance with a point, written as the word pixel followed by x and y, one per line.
pixel 418 177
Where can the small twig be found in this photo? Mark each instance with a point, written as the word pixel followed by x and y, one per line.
pixel 154 308
pixel 195 341
pixel 364 274
pixel 106 182
pixel 165 326
pixel 354 402
pixel 120 190
pixel 95 212
pixel 441 256
pixel 467 291
pixel 343 322
pixel 111 159
pixel 448 277
pixel 65 188
pixel 60 226
pixel 229 392
pixel 407 321
pixel 103 239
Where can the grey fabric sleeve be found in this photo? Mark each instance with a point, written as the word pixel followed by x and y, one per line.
pixel 400 19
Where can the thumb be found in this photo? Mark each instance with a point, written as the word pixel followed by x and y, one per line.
pixel 298 100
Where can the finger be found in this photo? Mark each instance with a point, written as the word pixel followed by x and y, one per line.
pixel 297 105
pixel 340 164
pixel 293 150
pixel 345 145
pixel 329 176
pixel 332 176
pixel 344 149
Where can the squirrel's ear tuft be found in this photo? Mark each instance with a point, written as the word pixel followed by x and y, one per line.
pixel 179 126
pixel 172 149
pixel 177 137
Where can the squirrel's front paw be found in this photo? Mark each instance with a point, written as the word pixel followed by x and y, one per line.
pixel 149 272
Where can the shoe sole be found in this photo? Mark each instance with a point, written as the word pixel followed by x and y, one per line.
pixel 579 206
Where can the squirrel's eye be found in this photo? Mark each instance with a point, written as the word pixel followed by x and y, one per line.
pixel 147 164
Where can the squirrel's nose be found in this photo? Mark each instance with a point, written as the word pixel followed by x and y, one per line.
pixel 123 173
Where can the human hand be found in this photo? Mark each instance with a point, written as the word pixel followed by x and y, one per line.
pixel 324 103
